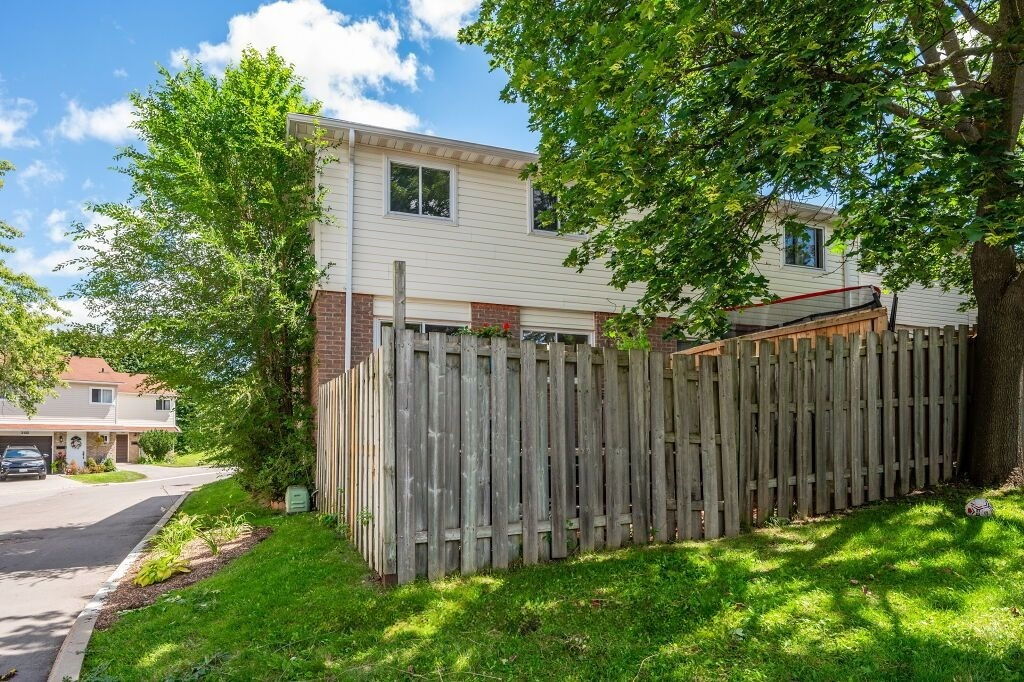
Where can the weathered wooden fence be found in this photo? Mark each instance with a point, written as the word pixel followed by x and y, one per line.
pixel 448 454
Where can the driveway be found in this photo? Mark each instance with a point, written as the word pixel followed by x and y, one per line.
pixel 59 541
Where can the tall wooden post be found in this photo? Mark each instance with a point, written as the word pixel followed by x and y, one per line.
pixel 399 295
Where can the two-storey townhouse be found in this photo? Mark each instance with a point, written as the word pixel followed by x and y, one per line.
pixel 97 413
pixel 466 225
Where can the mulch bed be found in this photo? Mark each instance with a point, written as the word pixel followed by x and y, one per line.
pixel 203 564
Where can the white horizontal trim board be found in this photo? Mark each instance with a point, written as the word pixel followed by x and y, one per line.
pixel 556 320
pixel 423 310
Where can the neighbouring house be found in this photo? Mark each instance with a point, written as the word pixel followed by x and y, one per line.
pixel 466 225
pixel 98 413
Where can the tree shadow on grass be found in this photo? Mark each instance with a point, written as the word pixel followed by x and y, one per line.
pixel 901 590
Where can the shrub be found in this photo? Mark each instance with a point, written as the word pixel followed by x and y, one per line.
pixel 59 464
pixel 145 459
pixel 108 464
pixel 73 469
pixel 159 568
pixel 158 444
pixel 92 466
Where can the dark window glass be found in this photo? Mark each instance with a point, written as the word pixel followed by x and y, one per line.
pixel 405 188
pixel 163 404
pixel 544 218
pixel 102 395
pixel 437 193
pixel 804 247
pixel 445 328
pixel 568 338
pixel 540 337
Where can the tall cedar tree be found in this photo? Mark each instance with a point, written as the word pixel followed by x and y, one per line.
pixel 30 362
pixel 209 262
pixel 698 117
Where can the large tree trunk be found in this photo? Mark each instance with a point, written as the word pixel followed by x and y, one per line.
pixel 995 442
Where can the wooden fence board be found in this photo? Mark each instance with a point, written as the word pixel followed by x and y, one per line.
pixel 499 453
pixel 436 446
pixel 614 448
pixel 961 391
pixel 918 376
pixel 709 457
pixel 839 423
pixel 872 432
pixel 804 464
pixel 747 373
pixel 404 378
pixel 821 442
pixel 765 496
pixel 888 415
pixel 948 408
pixel 934 433
pixel 784 447
pixel 639 455
pixel 589 457
pixel 903 388
pixel 470 452
pixel 659 483
pixel 856 423
pixel 557 432
pixel 529 410
pixel 681 420
pixel 727 429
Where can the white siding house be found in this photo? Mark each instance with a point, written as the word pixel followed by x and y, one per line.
pixel 476 258
pixel 97 413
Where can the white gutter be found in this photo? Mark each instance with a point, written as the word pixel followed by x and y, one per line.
pixel 348 254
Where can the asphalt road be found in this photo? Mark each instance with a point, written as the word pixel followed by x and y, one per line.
pixel 59 541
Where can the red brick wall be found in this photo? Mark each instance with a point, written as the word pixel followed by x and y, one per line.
pixel 329 349
pixel 655 334
pixel 487 314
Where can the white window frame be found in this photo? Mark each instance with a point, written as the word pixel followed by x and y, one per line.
pixel 104 438
pixel 453 191
pixel 576 236
pixel 378 320
pixel 824 251
pixel 113 395
pixel 589 334
pixel 169 401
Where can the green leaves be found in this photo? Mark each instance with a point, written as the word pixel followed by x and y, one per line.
pixel 696 121
pixel 209 264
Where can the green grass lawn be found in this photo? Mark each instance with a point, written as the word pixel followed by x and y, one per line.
pixel 188 459
pixel 904 590
pixel 109 477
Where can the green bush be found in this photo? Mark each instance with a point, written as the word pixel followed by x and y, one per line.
pixel 108 464
pixel 92 467
pixel 158 444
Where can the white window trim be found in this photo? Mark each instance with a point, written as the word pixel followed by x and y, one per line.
pixel 589 333
pixel 574 236
pixel 453 191
pixel 378 320
pixel 824 252
pixel 113 395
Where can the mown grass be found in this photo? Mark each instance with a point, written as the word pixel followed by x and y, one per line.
pixel 909 589
pixel 109 477
pixel 187 459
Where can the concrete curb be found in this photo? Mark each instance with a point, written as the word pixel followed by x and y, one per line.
pixel 68 664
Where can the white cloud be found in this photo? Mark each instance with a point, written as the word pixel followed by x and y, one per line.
pixel 40 264
pixel 120 73
pixel 77 310
pixel 347 64
pixel 107 123
pixel 440 18
pixel 14 116
pixel 39 173
pixel 57 225
pixel 21 218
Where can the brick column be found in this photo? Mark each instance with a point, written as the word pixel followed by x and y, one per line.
pixel 487 314
pixel 655 334
pixel 329 348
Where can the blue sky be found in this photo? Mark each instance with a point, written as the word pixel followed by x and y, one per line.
pixel 69 66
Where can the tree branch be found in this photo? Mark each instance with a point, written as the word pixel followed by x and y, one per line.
pixel 935 67
pixel 964 132
pixel 975 22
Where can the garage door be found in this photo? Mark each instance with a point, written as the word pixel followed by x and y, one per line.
pixel 44 443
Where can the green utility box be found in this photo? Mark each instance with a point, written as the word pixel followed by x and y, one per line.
pixel 296 499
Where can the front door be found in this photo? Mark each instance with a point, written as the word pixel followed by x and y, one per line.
pixel 76 447
pixel 121 449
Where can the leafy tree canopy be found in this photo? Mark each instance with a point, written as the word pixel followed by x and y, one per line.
pixel 672 131
pixel 209 262
pixel 30 362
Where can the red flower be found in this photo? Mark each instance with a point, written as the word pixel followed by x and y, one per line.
pixel 506 326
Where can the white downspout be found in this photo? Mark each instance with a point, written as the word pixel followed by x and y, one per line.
pixel 348 255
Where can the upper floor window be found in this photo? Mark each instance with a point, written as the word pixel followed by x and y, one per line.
pixel 553 336
pixel 101 396
pixel 164 404
pixel 542 212
pixel 419 190
pixel 805 246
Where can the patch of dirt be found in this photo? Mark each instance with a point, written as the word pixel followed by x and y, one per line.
pixel 202 562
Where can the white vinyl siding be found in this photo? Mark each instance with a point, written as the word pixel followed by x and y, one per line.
pixel 72 403
pixel 488 253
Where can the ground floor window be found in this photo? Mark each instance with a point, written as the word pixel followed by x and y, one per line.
pixel 556 336
pixel 422 327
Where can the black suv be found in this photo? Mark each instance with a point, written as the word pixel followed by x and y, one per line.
pixel 22 460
